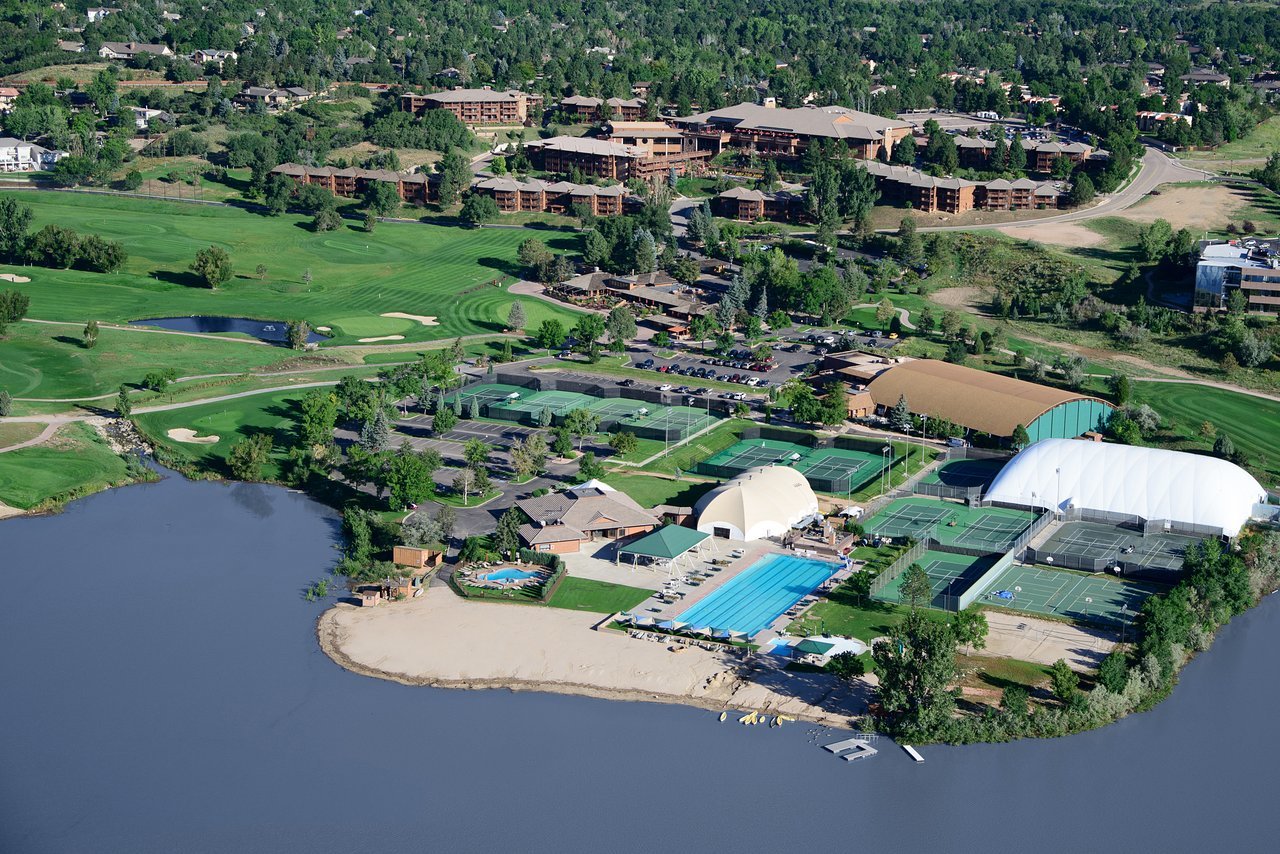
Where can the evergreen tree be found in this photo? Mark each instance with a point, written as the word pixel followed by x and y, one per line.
pixel 375 435
pixel 900 417
pixel 515 316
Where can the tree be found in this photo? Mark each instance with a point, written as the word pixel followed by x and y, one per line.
pixel 1223 447
pixel 1014 700
pixel 846 665
pixel 1065 680
pixel 916 589
pixel 124 406
pixel 418 530
pixel 951 323
pixel 159 380
pixel 623 442
pixel 409 476
pixel 910 248
pixel 89 337
pixel 956 353
pixel 447 519
pixel 464 482
pixel 477 208
pixel 621 324
pixel 247 457
pixel 297 332
pixel 900 417
pixel 476 453
pixel 1154 239
pixel 550 334
pixel 916 665
pixel 885 312
pixel 381 198
pixel 53 246
pixel 213 265
pixel 581 423
pixel 1020 437
pixel 515 316
pixel 443 421
pixel 101 256
pixel 1113 673
pixel 506 539
pixel 970 628
pixel 589 468
pixel 15 221
pixel 529 456
pixel 455 176
pixel 326 219
pixel 561 442
pixel 1120 388
pixel 375 434
pixel 319 416
pixel 587 332
pixel 1082 191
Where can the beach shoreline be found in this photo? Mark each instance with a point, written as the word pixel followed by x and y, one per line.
pixel 441 641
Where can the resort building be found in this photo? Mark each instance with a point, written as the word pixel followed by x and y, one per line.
pixel 475 107
pixel 1130 482
pixel 1251 266
pixel 746 203
pixel 415 188
pixel 563 522
pixel 761 502
pixel 663 302
pixel 975 153
pixel 587 109
pixel 601 158
pixel 17 155
pixel 656 139
pixel 537 196
pixel 984 402
pixel 786 133
pixel 128 50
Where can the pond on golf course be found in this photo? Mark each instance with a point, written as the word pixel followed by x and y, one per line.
pixel 274 331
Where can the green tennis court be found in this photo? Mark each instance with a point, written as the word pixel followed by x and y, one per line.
pixel 529 407
pixel 949 576
pixel 1076 596
pixel 964 474
pixel 486 393
pixel 994 528
pixel 1102 542
pixel 748 454
pixel 611 410
pixel 909 517
pixel 668 423
pixel 840 470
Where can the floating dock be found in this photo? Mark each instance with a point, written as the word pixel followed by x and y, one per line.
pixel 851 749
pixel 911 751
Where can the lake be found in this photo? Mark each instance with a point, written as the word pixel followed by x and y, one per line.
pixel 163 691
pixel 275 331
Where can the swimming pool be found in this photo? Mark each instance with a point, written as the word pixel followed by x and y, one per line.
pixel 508 575
pixel 756 597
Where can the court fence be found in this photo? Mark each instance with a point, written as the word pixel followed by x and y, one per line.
pixel 968 597
pixel 967 494
pixel 1066 560
pixel 899 566
pixel 1167 526
pixel 969 452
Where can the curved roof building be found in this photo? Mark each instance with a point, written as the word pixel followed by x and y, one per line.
pixel 1150 483
pixel 987 402
pixel 760 502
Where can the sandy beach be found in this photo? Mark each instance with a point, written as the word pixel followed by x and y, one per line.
pixel 441 640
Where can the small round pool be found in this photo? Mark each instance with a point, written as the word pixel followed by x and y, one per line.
pixel 509 574
pixel 275 331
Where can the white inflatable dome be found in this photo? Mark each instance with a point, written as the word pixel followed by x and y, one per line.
pixel 1146 482
pixel 760 502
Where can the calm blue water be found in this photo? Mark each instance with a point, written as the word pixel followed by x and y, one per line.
pixel 754 598
pixel 163 692
pixel 508 575
pixel 264 330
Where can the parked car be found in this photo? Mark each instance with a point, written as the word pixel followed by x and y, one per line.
pixel 626 383
pixel 665 387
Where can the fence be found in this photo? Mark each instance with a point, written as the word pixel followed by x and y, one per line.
pixel 967 494
pixel 968 452
pixel 968 597
pixel 1166 526
pixel 1067 561
pixel 899 566
pixel 1104 517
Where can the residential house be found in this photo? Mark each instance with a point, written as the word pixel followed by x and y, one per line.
pixel 272 98
pixel 1206 77
pixel 17 155
pixel 219 58
pixel 8 97
pixel 70 46
pixel 144 116
pixel 1149 121
pixel 98 13
pixel 563 522
pixel 129 50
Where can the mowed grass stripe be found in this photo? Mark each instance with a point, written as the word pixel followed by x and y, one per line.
pixel 415 268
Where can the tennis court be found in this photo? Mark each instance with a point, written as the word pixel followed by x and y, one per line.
pixel 611 410
pixel 1100 545
pixel 527 408
pixel 1075 596
pixel 909 517
pixel 669 424
pixel 839 470
pixel 994 528
pixel 964 474
pixel 949 576
pixel 748 454
pixel 485 394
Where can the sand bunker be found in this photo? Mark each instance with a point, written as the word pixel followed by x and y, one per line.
pixel 324 329
pixel 15 278
pixel 425 321
pixel 382 338
pixel 182 434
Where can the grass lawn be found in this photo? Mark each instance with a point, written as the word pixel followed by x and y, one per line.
pixel 649 491
pixel 76 459
pixel 601 597
pixel 458 275
pixel 1253 423
pixel 230 421
pixel 13 433
pixel 708 444
pixel 40 360
pixel 985 671
pixel 1257 144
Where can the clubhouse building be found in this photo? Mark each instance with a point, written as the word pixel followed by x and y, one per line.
pixel 786 133
pixel 476 107
pixel 563 522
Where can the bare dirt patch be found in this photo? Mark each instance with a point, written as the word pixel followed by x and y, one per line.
pixel 182 434
pixel 425 320
pixel 1191 207
pixel 1069 234
pixel 967 297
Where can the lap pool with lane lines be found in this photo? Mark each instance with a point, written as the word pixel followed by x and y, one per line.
pixel 754 598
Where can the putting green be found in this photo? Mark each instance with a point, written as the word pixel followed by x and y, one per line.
pixel 365 326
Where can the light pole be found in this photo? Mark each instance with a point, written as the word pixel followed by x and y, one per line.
pixel 1057 498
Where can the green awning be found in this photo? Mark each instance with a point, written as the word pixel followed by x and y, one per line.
pixel 668 542
pixel 813 646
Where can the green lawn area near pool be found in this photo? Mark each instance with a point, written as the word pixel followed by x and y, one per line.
pixel 649 491
pixel 76 459
pixel 601 597
pixel 1253 423
pixel 460 276
pixel 47 361
pixel 230 421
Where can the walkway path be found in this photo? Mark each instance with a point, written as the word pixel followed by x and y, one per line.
pixel 45 435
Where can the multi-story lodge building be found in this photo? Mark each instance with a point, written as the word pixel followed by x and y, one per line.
pixel 588 109
pixel 602 158
pixel 476 107
pixel 536 196
pixel 657 139
pixel 975 152
pixel 418 187
pixel 1251 266
pixel 786 133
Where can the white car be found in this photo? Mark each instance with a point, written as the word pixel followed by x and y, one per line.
pixel 665 387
